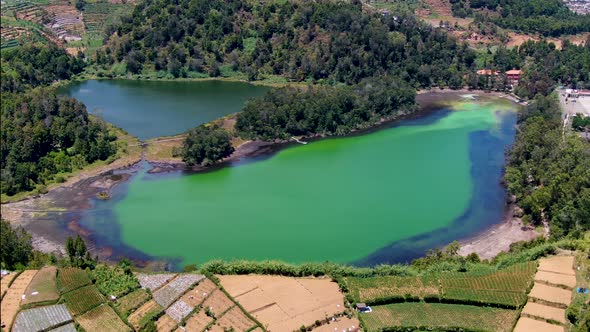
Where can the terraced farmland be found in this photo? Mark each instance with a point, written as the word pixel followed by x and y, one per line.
pixel 43 318
pixel 69 279
pixel 169 293
pixel 132 301
pixel 507 287
pixel 102 319
pixel 43 287
pixel 154 281
pixel 83 299
pixel 439 316
pixel 99 15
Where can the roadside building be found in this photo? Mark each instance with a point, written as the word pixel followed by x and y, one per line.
pixel 513 76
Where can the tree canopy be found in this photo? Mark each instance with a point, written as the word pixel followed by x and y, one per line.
pixel 44 134
pixel 16 249
pixel 206 145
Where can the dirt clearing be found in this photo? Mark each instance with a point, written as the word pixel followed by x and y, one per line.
pixel 544 311
pixel 5 282
pixel 283 303
pixel 528 324
pixel 559 296
pixel 558 264
pixel 11 301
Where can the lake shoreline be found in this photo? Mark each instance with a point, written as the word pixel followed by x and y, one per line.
pixel 86 190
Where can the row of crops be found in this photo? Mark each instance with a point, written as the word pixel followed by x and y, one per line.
pixel 98 15
pixel 442 316
pixel 506 287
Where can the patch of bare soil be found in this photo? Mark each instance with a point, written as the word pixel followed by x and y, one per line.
pixel 544 311
pixel 558 296
pixel 283 303
pixel 528 324
pixel 558 264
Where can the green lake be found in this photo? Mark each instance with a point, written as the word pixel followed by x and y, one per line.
pixel 148 109
pixel 384 196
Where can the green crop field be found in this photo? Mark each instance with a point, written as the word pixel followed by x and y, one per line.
pixel 132 301
pixel 507 287
pixel 83 299
pixel 69 279
pixel 439 316
pixel 44 286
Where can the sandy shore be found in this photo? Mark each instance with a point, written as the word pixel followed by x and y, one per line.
pixel 498 238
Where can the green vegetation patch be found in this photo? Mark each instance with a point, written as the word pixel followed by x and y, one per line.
pixel 43 287
pixel 72 278
pixel 447 317
pixel 132 301
pixel 507 287
pixel 115 281
pixel 83 299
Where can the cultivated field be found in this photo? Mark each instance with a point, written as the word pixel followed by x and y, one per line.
pixel 154 281
pixel 559 279
pixel 235 319
pixel 440 316
pixel 43 318
pixel 170 292
pixel 65 328
pixel 5 282
pixel 197 322
pixel 83 299
pixel 544 312
pixel 179 310
pixel 11 301
pixel 528 324
pixel 165 324
pixel 102 319
pixel 199 293
pixel 506 287
pixel 558 264
pixel 283 303
pixel 218 303
pixel 132 301
pixel 69 279
pixel 43 287
pixel 340 324
pixel 149 308
pixel 558 296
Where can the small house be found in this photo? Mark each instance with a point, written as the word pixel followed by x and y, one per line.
pixel 513 76
pixel 362 307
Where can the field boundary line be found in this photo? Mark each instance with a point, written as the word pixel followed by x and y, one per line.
pixel 565 274
pixel 547 283
pixel 266 306
pixel 246 292
pixel 548 303
pixel 541 319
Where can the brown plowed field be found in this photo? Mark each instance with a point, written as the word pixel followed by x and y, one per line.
pixel 544 311
pixel 197 322
pixel 235 319
pixel 283 303
pixel 5 282
pixel 199 293
pixel 558 264
pixel 566 280
pixel 218 303
pixel 341 324
pixel 532 325
pixel 165 324
pixel 551 294
pixel 11 301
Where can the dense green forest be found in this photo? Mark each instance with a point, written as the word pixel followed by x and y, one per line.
pixel 549 171
pixel 547 17
pixel 44 134
pixel 206 145
pixel 322 110
pixel 331 41
pixel 581 122
pixel 34 65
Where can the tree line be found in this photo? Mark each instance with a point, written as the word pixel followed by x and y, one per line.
pixel 548 170
pixel 43 135
pixel 310 111
pixel 315 41
pixel 546 17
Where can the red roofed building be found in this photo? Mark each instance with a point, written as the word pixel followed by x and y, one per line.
pixel 513 76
